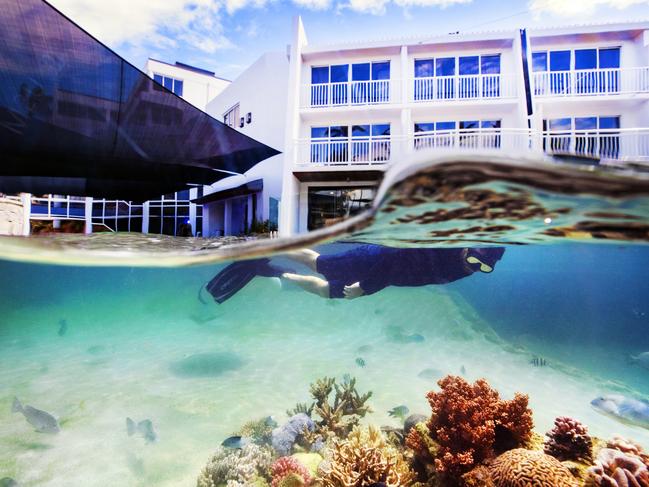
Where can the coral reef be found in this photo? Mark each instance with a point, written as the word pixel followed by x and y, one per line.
pixel 236 468
pixel 569 440
pixel 260 431
pixel 337 418
pixel 522 468
pixel 284 437
pixel 285 466
pixel 614 468
pixel 310 460
pixel 628 446
pixel 364 459
pixel 471 424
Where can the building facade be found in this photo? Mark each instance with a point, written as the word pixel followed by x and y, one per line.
pixel 355 109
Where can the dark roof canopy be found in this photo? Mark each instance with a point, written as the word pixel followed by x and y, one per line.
pixel 242 190
pixel 76 118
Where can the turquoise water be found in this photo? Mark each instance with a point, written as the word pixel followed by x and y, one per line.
pixel 581 307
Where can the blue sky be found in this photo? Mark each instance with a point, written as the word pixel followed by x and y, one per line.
pixel 226 36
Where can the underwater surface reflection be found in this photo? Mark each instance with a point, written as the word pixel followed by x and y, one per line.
pixel 275 370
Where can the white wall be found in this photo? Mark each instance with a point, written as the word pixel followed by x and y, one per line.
pixel 198 88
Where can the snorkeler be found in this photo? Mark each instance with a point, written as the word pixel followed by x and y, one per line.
pixel 361 271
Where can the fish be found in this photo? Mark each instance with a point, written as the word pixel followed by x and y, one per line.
pixel 43 421
pixel 8 482
pixel 360 361
pixel 399 412
pixel 63 327
pixel 144 428
pixel 364 349
pixel 538 362
pixel 235 442
pixel 463 370
pixel 430 374
pixel 641 359
pixel 624 409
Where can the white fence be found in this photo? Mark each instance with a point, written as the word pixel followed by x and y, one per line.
pixel 612 144
pixel 591 82
pixel 350 93
pixel 463 87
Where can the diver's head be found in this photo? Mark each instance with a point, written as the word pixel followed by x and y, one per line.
pixel 484 259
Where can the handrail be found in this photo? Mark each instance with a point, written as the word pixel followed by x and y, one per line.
pixel 598 81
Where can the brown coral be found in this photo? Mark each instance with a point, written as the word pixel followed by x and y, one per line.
pixel 471 424
pixel 628 446
pixel 614 468
pixel 285 466
pixel 523 468
pixel 569 440
pixel 365 458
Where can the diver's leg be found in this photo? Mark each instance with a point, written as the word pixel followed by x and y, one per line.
pixel 307 257
pixel 312 284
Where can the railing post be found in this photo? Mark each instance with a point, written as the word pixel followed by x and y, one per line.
pixel 87 213
pixel 26 200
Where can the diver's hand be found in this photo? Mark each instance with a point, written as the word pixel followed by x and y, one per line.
pixel 353 291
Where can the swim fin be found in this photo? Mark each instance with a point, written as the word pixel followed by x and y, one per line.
pixel 234 277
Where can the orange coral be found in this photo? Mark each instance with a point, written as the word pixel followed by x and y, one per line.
pixel 471 424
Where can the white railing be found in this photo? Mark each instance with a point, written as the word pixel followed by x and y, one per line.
pixel 591 82
pixel 53 207
pixel 463 87
pixel 348 93
pixel 110 212
pixel 613 144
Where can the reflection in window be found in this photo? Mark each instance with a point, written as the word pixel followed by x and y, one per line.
pixel 231 117
pixel 329 205
pixel 586 136
pixel 172 84
pixel 368 143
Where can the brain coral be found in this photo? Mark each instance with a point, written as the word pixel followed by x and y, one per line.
pixel 524 468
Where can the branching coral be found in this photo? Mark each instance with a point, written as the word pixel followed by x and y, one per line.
pixel 471 424
pixel 569 440
pixel 259 432
pixel 363 459
pixel 235 468
pixel 522 468
pixel 614 468
pixel 285 466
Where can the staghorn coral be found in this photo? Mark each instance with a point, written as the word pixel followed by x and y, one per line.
pixel 235 468
pixel 523 468
pixel 363 459
pixel 614 468
pixel 569 440
pixel 471 424
pixel 285 466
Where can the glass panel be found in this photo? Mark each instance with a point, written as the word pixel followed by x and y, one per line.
pixel 609 58
pixel 338 131
pixel 445 66
pixel 490 124
pixel 539 61
pixel 490 64
pixel 339 73
pixel 560 124
pixel 320 74
pixel 178 87
pixel 381 129
pixel 319 132
pixel 331 205
pixel 469 124
pixel 585 123
pixel 609 122
pixel 424 127
pixel 424 68
pixel 381 70
pixel 585 58
pixel 360 131
pixel 469 65
pixel 157 78
pixel 560 61
pixel 168 83
pixel 361 72
pixel 445 125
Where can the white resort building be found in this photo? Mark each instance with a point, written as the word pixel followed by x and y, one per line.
pixel 341 114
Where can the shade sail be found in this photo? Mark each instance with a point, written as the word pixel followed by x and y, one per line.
pixel 244 189
pixel 74 113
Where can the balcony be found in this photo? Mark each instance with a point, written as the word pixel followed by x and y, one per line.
pixel 593 82
pixel 463 88
pixel 350 93
pixel 377 152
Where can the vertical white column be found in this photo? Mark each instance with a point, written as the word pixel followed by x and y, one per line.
pixel 227 216
pixel 404 75
pixel 26 200
pixel 193 194
pixel 145 217
pixel 290 185
pixel 87 213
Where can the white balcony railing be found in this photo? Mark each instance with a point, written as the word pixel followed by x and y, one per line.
pixel 592 82
pixel 612 144
pixel 348 93
pixel 463 87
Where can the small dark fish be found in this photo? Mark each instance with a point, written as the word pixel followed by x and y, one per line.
pixel 538 362
pixel 43 422
pixel 360 362
pixel 399 412
pixel 235 442
pixel 463 370
pixel 8 482
pixel 364 349
pixel 63 327
pixel 144 428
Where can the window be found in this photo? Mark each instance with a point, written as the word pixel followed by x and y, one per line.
pixel 471 133
pixel 329 205
pixel 586 136
pixel 333 144
pixel 172 84
pixel 231 117
pixel 369 83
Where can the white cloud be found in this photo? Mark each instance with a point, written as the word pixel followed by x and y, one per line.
pixel 579 7
pixel 377 7
pixel 313 4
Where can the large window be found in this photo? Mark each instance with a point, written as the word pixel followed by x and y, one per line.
pixel 358 83
pixel 463 133
pixel 231 117
pixel 343 144
pixel 478 77
pixel 329 205
pixel 587 136
pixel 579 71
pixel 172 84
